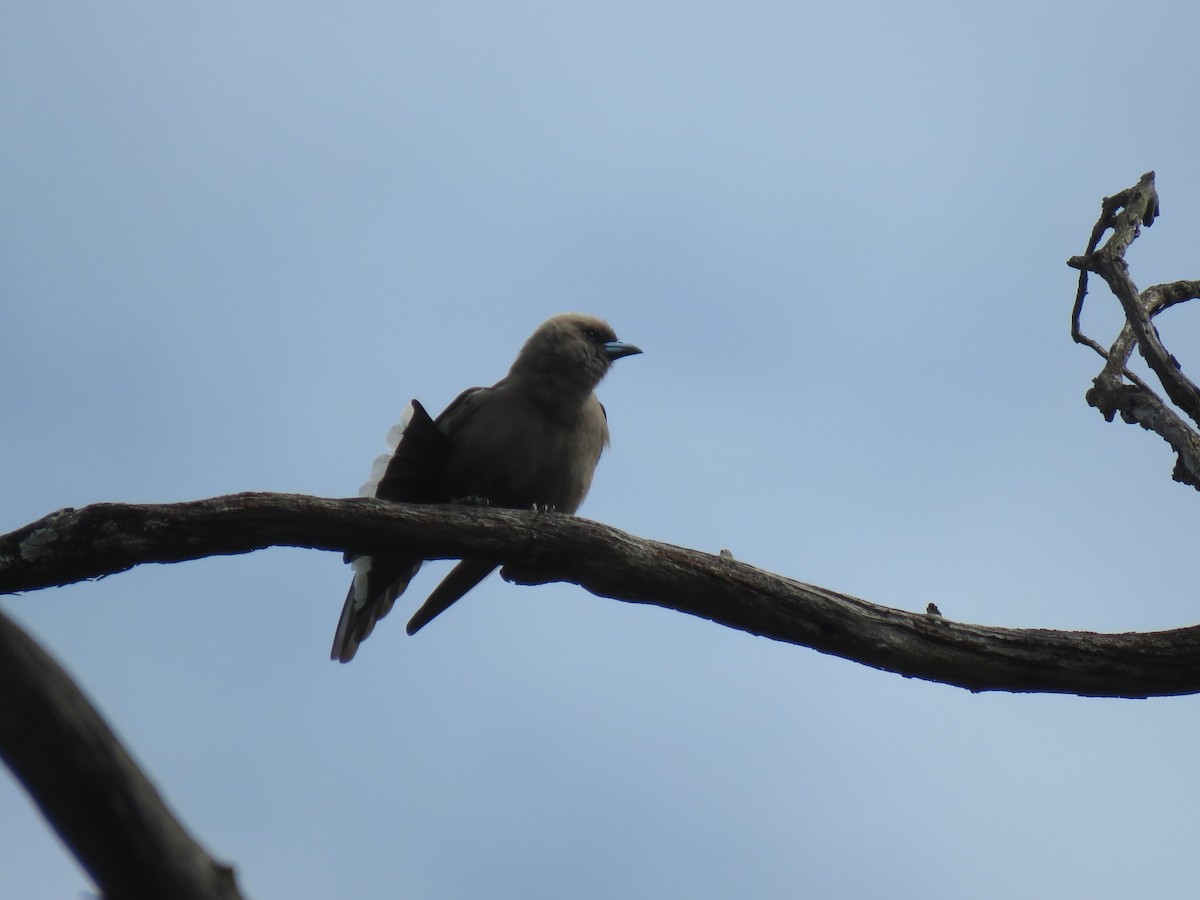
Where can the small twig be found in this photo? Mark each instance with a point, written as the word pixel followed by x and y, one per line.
pixel 1160 297
pixel 1109 208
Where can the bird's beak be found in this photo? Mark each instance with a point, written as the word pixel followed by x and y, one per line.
pixel 617 349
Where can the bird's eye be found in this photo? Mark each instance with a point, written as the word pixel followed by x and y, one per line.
pixel 592 335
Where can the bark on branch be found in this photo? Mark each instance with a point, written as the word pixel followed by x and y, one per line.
pixel 1116 389
pixel 89 789
pixel 536 547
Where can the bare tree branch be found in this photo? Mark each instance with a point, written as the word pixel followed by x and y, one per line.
pixel 73 545
pixel 89 789
pixel 1116 389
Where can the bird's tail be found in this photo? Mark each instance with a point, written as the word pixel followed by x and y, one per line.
pixel 377 583
pixel 461 579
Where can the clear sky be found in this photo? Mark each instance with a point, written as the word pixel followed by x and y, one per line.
pixel 236 238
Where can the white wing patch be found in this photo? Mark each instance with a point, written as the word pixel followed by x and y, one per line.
pixel 395 433
pixel 362 569
pixel 377 469
pixel 362 564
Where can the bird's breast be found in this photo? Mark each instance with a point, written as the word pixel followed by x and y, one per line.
pixel 516 456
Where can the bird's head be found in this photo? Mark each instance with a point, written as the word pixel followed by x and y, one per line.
pixel 571 350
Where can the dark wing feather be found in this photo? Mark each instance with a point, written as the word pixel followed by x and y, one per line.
pixel 414 472
pixel 414 475
pixel 461 579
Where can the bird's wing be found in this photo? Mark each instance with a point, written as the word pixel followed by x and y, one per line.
pixel 469 572
pixel 412 474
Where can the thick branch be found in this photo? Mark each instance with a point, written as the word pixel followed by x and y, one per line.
pixel 72 545
pixel 89 788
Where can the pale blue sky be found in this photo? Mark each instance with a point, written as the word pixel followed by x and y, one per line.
pixel 236 239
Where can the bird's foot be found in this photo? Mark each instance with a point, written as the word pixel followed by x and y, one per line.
pixel 474 501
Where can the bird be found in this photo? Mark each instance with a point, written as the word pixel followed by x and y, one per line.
pixel 530 441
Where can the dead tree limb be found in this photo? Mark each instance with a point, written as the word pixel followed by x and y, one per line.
pixel 1116 389
pixel 536 547
pixel 89 789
